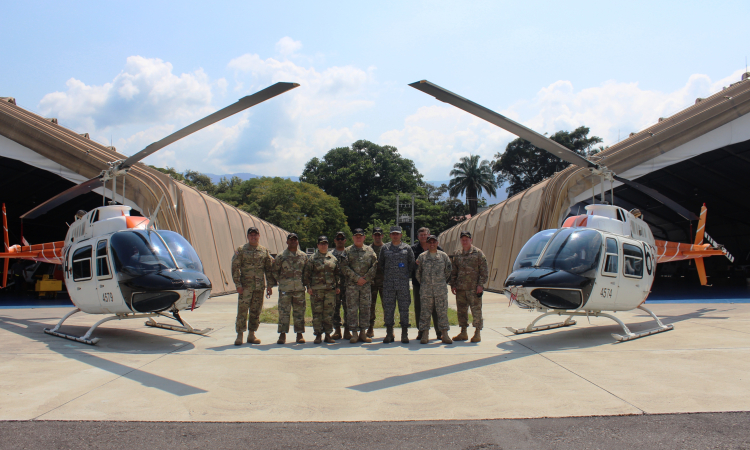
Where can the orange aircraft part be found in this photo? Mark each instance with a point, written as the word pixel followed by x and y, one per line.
pixel 135 221
pixel 49 252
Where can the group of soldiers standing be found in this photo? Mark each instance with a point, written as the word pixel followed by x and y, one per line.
pixel 354 277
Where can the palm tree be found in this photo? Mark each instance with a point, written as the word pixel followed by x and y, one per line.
pixel 472 177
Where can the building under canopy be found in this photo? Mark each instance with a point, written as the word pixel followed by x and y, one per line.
pixel 39 159
pixel 699 155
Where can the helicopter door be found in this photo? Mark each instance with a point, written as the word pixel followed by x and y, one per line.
pixel 632 284
pixel 83 288
pixel 105 283
pixel 610 280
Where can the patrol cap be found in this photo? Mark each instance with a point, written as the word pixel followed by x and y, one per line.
pixel 292 236
pixel 396 229
pixel 377 230
pixel 465 233
pixel 359 231
pixel 322 239
pixel 431 237
pixel 340 234
pixel 252 230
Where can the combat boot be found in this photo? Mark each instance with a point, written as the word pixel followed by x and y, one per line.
pixel 251 339
pixel 347 333
pixel 425 337
pixel 445 338
pixel 477 337
pixel 363 337
pixel 329 339
pixel 354 337
pixel 370 332
pixel 282 338
pixel 419 335
pixel 318 340
pixel 404 335
pixel 300 339
pixel 388 335
pixel 462 336
pixel 337 334
pixel 238 341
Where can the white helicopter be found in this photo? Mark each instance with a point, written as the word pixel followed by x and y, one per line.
pixel 120 265
pixel 601 261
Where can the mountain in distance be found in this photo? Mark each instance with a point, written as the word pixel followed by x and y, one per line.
pixel 243 176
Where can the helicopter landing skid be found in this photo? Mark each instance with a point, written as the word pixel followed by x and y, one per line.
pixel 86 338
pixel 185 328
pixel 532 329
pixel 629 335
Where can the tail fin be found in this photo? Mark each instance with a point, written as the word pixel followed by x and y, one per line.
pixel 6 261
pixel 698 241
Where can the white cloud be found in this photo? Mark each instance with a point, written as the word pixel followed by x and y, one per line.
pixel 288 46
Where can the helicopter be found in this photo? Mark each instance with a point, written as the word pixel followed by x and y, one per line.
pixel 601 261
pixel 119 264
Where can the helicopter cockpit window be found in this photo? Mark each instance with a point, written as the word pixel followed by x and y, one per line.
pixel 532 249
pixel 633 266
pixel 573 250
pixel 102 265
pixel 610 264
pixel 182 251
pixel 82 264
pixel 139 252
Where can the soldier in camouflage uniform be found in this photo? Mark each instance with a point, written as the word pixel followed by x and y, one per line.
pixel 433 272
pixel 397 262
pixel 251 266
pixel 377 282
pixel 288 269
pixel 359 266
pixel 339 252
pixel 468 276
pixel 323 281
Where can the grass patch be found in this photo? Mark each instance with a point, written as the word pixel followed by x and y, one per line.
pixel 271 315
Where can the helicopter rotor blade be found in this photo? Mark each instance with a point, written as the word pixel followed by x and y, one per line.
pixel 664 200
pixel 241 105
pixel 59 199
pixel 503 122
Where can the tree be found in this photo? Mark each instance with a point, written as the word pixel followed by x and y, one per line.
pixel 524 165
pixel 472 177
pixel 362 175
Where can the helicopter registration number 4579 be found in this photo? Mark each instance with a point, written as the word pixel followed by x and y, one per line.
pixel 107 297
pixel 606 293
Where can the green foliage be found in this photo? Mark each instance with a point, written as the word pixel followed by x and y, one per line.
pixel 524 165
pixel 473 177
pixel 361 176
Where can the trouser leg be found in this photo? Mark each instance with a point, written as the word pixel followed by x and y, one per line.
pixel 299 305
pixel 256 306
pixel 329 300
pixel 440 306
pixel 417 294
pixel 352 307
pixel 317 300
pixel 364 307
pixel 436 315
pixel 389 305
pixel 243 306
pixel 462 308
pixel 374 291
pixel 285 309
pixel 340 303
pixel 475 302
pixel 404 301
pixel 427 301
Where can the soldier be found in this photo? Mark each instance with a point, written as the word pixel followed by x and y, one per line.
pixel 468 275
pixel 359 266
pixel 288 270
pixel 338 252
pixel 397 262
pixel 251 266
pixel 377 282
pixel 433 272
pixel 323 280
pixel 418 248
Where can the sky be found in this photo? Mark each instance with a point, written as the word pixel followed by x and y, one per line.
pixel 130 73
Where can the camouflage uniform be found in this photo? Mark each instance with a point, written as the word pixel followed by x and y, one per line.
pixel 377 285
pixel 397 263
pixel 433 272
pixel 249 265
pixel 323 276
pixel 340 298
pixel 288 269
pixel 358 262
pixel 469 271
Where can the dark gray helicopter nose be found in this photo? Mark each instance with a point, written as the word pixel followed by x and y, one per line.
pixel 555 289
pixel 158 291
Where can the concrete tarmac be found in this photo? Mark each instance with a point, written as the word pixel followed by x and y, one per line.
pixel 137 373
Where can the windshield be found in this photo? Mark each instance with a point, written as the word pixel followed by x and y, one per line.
pixel 139 252
pixel 182 251
pixel 573 250
pixel 531 250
